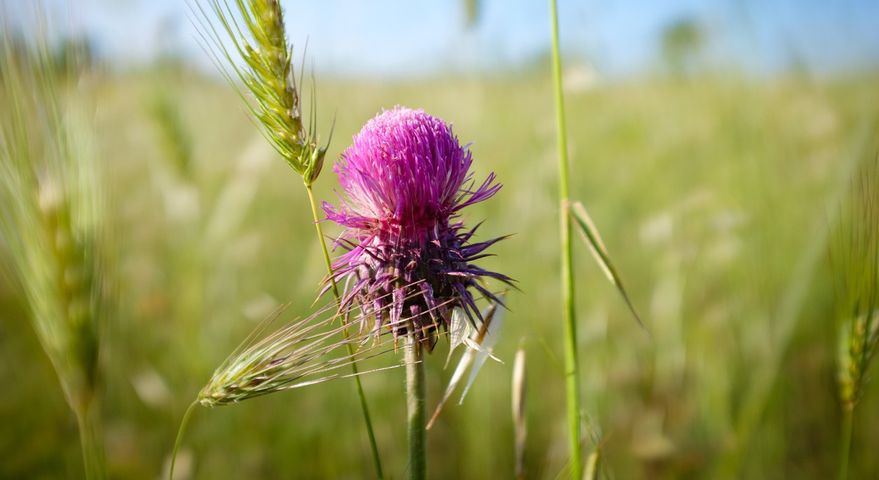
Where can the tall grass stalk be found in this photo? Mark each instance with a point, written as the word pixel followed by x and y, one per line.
pixel 364 406
pixel 88 420
pixel 275 103
pixel 572 378
pixel 845 440
pixel 180 431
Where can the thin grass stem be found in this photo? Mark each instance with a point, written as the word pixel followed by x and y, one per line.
pixel 364 406
pixel 572 378
pixel 180 432
pixel 845 440
pixel 415 407
pixel 91 442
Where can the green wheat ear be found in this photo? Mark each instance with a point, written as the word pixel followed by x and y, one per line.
pixel 855 258
pixel 51 220
pixel 255 29
pixel 855 255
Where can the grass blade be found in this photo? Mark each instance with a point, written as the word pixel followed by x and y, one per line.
pixel 589 233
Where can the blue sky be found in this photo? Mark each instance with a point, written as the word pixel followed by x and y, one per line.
pixel 398 37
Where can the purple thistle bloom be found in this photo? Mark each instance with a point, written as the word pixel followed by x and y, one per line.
pixel 409 260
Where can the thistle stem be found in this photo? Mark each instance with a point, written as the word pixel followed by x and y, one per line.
pixel 91 443
pixel 848 413
pixel 180 431
pixel 572 379
pixel 364 406
pixel 415 408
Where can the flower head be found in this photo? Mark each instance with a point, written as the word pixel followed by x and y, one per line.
pixel 410 259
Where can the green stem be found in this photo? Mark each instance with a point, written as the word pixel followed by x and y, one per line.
pixel 183 423
pixel 848 414
pixel 376 459
pixel 572 378
pixel 415 408
pixel 87 420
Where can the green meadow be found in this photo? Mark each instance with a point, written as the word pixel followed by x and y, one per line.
pixel 715 195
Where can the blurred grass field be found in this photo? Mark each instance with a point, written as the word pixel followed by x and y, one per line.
pixel 713 194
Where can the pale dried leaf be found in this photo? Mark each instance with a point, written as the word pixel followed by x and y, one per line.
pixel 489 335
pixel 463 364
pixel 478 338
pixel 459 330
pixel 520 424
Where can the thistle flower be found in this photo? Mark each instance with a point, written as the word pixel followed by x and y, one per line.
pixel 406 179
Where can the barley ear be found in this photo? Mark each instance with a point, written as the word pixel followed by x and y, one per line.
pixel 855 259
pixel 261 59
pixel 303 352
pixel 51 220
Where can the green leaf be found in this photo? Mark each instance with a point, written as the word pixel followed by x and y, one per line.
pixel 589 233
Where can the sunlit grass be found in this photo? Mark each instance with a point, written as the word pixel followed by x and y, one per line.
pixel 705 193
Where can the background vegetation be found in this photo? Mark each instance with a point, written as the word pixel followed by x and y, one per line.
pixel 714 193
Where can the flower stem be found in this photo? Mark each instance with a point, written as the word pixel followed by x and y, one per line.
pixel 183 423
pixel 415 408
pixel 92 445
pixel 364 406
pixel 567 275
pixel 848 413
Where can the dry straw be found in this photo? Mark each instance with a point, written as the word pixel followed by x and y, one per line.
pixel 520 423
pixel 480 342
